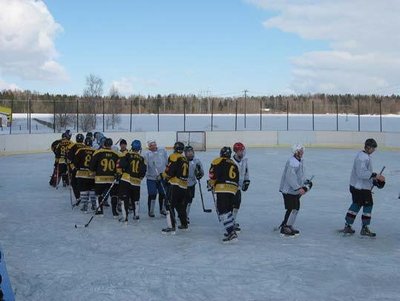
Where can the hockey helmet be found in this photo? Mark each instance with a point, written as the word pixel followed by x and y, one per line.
pixel 371 143
pixel 64 136
pixel 123 141
pixel 297 147
pixel 179 147
pixel 188 148
pixel 238 146
pixel 225 152
pixel 89 134
pixel 68 133
pixel 136 145
pixel 88 141
pixel 108 142
pixel 79 138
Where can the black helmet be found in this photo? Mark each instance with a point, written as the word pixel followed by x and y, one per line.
pixel 225 152
pixel 188 148
pixel 371 143
pixel 123 141
pixel 88 141
pixel 68 133
pixel 108 142
pixel 79 138
pixel 89 134
pixel 179 147
pixel 64 136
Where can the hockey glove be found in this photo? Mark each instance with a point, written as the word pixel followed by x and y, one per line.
pixel 379 184
pixel 198 172
pixel 117 177
pixel 210 186
pixel 308 184
pixel 246 184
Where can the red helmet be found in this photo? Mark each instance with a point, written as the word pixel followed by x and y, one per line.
pixel 238 146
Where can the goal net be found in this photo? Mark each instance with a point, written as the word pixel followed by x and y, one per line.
pixel 196 139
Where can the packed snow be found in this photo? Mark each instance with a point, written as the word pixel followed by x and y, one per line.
pixel 49 259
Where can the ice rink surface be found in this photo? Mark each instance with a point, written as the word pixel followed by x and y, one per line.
pixel 48 259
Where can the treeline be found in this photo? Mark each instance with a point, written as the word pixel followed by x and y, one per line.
pixel 29 102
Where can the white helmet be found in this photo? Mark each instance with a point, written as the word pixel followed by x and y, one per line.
pixel 297 147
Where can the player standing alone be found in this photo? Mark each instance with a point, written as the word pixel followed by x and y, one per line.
pixel 293 186
pixel 362 179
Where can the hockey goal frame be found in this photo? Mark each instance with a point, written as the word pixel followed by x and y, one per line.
pixel 196 139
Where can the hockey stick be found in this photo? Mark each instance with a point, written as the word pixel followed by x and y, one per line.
pixel 202 200
pixel 167 200
pixel 70 186
pixel 57 175
pixel 105 196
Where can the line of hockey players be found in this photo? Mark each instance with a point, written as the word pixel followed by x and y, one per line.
pixel 94 166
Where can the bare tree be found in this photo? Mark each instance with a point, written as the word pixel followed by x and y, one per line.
pixel 112 108
pixel 92 93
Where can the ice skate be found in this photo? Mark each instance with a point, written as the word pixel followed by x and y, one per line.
pixel 230 238
pixel 170 231
pixel 365 231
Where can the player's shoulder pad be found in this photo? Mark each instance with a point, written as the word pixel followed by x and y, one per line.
pixel 216 161
pixel 174 157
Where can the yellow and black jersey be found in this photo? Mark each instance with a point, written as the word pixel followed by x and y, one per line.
pixel 123 153
pixel 81 161
pixel 104 164
pixel 177 170
pixel 224 175
pixel 72 149
pixel 61 150
pixel 133 168
pixel 54 145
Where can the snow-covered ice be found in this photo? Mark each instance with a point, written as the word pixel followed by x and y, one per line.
pixel 48 259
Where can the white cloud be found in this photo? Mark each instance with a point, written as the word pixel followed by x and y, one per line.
pixel 363 38
pixel 7 86
pixel 27 33
pixel 129 85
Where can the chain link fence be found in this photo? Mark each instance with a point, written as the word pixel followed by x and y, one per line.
pixel 167 113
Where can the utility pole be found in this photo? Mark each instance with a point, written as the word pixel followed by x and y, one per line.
pixel 245 106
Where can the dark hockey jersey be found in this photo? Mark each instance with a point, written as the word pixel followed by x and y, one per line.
pixel 224 175
pixel 133 168
pixel 177 170
pixel 81 161
pixel 72 149
pixel 104 164
pixel 61 150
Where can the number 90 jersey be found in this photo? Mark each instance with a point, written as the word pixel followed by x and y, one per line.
pixel 224 175
pixel 104 164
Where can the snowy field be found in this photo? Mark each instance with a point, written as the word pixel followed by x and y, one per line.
pixel 48 259
pixel 221 122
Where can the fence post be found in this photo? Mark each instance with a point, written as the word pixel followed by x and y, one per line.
pixel 184 115
pixel 212 114
pixel 287 114
pixel 12 110
pixel 358 112
pixel 77 115
pixel 30 116
pixel 130 117
pixel 236 114
pixel 261 114
pixel 54 115
pixel 313 115
pixel 337 115
pixel 103 116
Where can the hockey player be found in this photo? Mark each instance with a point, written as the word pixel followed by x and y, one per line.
pixel 362 180
pixel 123 147
pixel 104 163
pixel 293 185
pixel 133 170
pixel 72 149
pixel 240 159
pixel 224 179
pixel 55 177
pixel 156 160
pixel 61 153
pixel 176 173
pixel 85 178
pixel 196 172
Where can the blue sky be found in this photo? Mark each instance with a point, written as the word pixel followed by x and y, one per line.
pixel 216 47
